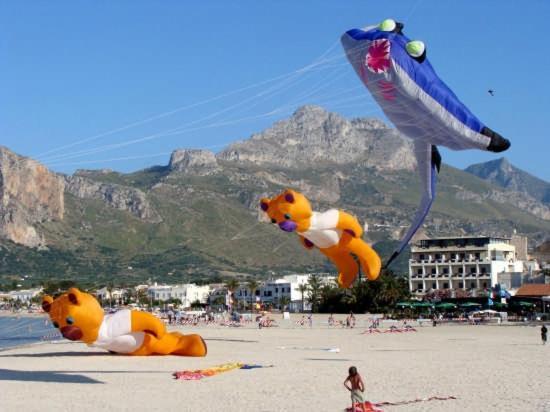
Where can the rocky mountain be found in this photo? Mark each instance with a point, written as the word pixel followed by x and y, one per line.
pixel 29 194
pixel 503 174
pixel 313 136
pixel 198 216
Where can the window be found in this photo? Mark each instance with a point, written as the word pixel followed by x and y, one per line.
pixel 421 256
pixel 460 285
pixel 484 284
pixel 483 270
pixel 419 271
pixel 477 256
pixel 433 271
pixel 276 290
pixel 472 270
pixel 460 270
pixel 445 286
pixel 445 271
pixel 434 285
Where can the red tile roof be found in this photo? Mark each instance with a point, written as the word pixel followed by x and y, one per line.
pixel 534 289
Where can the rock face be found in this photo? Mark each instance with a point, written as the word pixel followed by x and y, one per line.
pixel 502 173
pixel 117 196
pixel 29 194
pixel 191 161
pixel 314 136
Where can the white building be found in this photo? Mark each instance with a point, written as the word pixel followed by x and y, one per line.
pixel 113 294
pixel 278 291
pixel 24 295
pixel 462 263
pixel 187 293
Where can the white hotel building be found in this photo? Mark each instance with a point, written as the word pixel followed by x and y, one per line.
pixel 461 263
pixel 187 293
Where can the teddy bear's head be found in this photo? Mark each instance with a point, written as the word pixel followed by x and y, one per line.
pixel 76 314
pixel 290 210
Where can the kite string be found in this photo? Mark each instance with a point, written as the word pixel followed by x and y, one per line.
pixel 316 62
pixel 272 90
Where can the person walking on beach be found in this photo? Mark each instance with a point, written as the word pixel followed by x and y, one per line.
pixel 543 334
pixel 354 384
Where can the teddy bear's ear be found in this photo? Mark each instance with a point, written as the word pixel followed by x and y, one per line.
pixel 74 296
pixel 289 196
pixel 47 301
pixel 264 203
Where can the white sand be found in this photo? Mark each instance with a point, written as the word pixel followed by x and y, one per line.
pixel 488 368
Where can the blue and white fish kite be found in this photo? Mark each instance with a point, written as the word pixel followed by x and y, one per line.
pixel 397 73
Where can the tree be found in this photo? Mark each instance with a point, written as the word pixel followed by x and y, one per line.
pixel 284 301
pixel 252 286
pixel 302 288
pixel 232 285
pixel 110 288
pixel 314 287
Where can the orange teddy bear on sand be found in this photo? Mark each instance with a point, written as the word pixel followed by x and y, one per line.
pixel 79 317
pixel 337 234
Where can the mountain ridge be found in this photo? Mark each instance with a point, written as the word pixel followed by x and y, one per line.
pixel 198 215
pixel 502 173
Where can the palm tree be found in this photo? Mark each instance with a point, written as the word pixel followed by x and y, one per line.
pixel 110 288
pixel 283 302
pixel 314 286
pixel 231 285
pixel 303 288
pixel 252 286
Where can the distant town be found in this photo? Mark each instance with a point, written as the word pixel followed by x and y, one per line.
pixel 495 273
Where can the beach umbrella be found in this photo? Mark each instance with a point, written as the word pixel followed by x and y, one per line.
pixel 404 305
pixel 489 311
pixel 498 305
pixel 524 304
pixel 421 305
pixel 445 306
pixel 470 305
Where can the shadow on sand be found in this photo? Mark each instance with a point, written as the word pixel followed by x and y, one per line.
pixel 44 376
pixel 56 354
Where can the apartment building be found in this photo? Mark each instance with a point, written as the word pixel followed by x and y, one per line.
pixel 461 263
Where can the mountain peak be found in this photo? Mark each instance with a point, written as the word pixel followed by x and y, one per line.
pixel 193 161
pixel 504 174
pixel 313 136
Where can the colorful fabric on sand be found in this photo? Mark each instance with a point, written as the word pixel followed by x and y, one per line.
pixel 193 375
pixel 371 407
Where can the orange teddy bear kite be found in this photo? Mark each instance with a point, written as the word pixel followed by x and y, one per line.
pixel 79 316
pixel 336 233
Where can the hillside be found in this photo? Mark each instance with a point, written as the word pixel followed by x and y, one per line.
pixel 197 217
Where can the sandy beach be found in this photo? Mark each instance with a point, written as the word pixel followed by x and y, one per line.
pixel 487 368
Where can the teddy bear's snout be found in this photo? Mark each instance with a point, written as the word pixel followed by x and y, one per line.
pixel 288 226
pixel 71 332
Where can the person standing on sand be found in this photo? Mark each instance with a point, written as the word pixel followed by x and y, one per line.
pixel 354 384
pixel 543 334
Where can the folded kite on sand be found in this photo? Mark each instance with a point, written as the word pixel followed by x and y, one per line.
pixel 198 374
pixel 371 407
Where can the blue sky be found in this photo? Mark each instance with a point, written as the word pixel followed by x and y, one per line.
pixel 73 72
